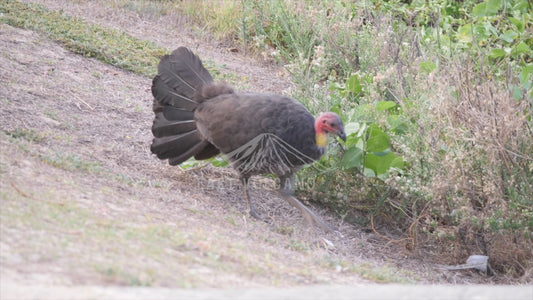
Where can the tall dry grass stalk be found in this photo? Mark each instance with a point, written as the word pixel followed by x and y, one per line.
pixel 482 144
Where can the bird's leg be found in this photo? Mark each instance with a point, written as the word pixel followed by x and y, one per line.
pixel 286 190
pixel 251 207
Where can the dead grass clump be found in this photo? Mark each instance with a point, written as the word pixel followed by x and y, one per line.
pixel 485 181
pixel 222 17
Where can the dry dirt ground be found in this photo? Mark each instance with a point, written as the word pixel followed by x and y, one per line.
pixel 84 203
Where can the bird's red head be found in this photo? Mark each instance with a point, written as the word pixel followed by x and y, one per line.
pixel 328 123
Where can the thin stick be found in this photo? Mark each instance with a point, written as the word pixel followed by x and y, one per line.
pixel 82 101
pixel 20 192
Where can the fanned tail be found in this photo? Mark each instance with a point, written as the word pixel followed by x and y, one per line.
pixel 181 84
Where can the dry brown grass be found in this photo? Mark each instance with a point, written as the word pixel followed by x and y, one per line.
pixel 481 144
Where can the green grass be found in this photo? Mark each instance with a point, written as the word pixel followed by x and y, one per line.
pixel 73 162
pixel 92 40
pixel 384 274
pixel 109 45
pixel 146 8
pixel 29 135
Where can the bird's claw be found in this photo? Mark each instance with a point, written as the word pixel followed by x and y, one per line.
pixel 254 214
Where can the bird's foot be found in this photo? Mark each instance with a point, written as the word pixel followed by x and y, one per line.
pixel 309 216
pixel 327 228
pixel 254 214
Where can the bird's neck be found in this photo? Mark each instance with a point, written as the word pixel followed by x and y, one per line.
pixel 321 139
pixel 321 136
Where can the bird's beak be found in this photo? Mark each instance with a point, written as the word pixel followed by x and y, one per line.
pixel 342 134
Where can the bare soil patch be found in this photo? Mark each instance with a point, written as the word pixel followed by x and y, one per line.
pixel 85 203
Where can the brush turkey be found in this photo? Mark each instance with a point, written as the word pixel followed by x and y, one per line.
pixel 259 133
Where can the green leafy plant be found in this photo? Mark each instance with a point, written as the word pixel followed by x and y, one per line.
pixel 437 92
pixel 369 149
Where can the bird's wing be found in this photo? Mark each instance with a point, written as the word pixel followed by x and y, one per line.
pixel 268 153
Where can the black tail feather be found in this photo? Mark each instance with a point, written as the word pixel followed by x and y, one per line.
pixel 175 145
pixel 163 127
pixel 183 72
pixel 187 154
pixel 209 151
pixel 172 113
pixel 178 88
pixel 166 95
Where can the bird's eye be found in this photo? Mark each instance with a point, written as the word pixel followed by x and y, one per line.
pixel 324 121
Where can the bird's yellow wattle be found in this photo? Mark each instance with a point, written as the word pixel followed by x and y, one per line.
pixel 321 139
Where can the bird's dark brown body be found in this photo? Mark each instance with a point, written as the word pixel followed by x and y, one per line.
pixel 255 114
pixel 259 133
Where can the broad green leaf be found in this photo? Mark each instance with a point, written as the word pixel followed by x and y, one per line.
pixel 518 23
pixel 383 153
pixel 362 130
pixel 480 32
pixel 369 173
pixel 335 86
pixel 517 92
pixel 353 158
pixel 526 74
pixel 385 105
pixel 372 162
pixel 352 127
pixel 493 6
pixel 353 134
pixel 487 8
pixel 496 53
pixel 509 36
pixel 360 144
pixel 354 84
pixel 522 6
pixel 220 162
pixel 491 30
pixel 520 49
pixel 374 129
pixel 378 142
pixel 380 164
pixel 397 124
pixel 397 163
pixel 480 10
pixel 464 34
